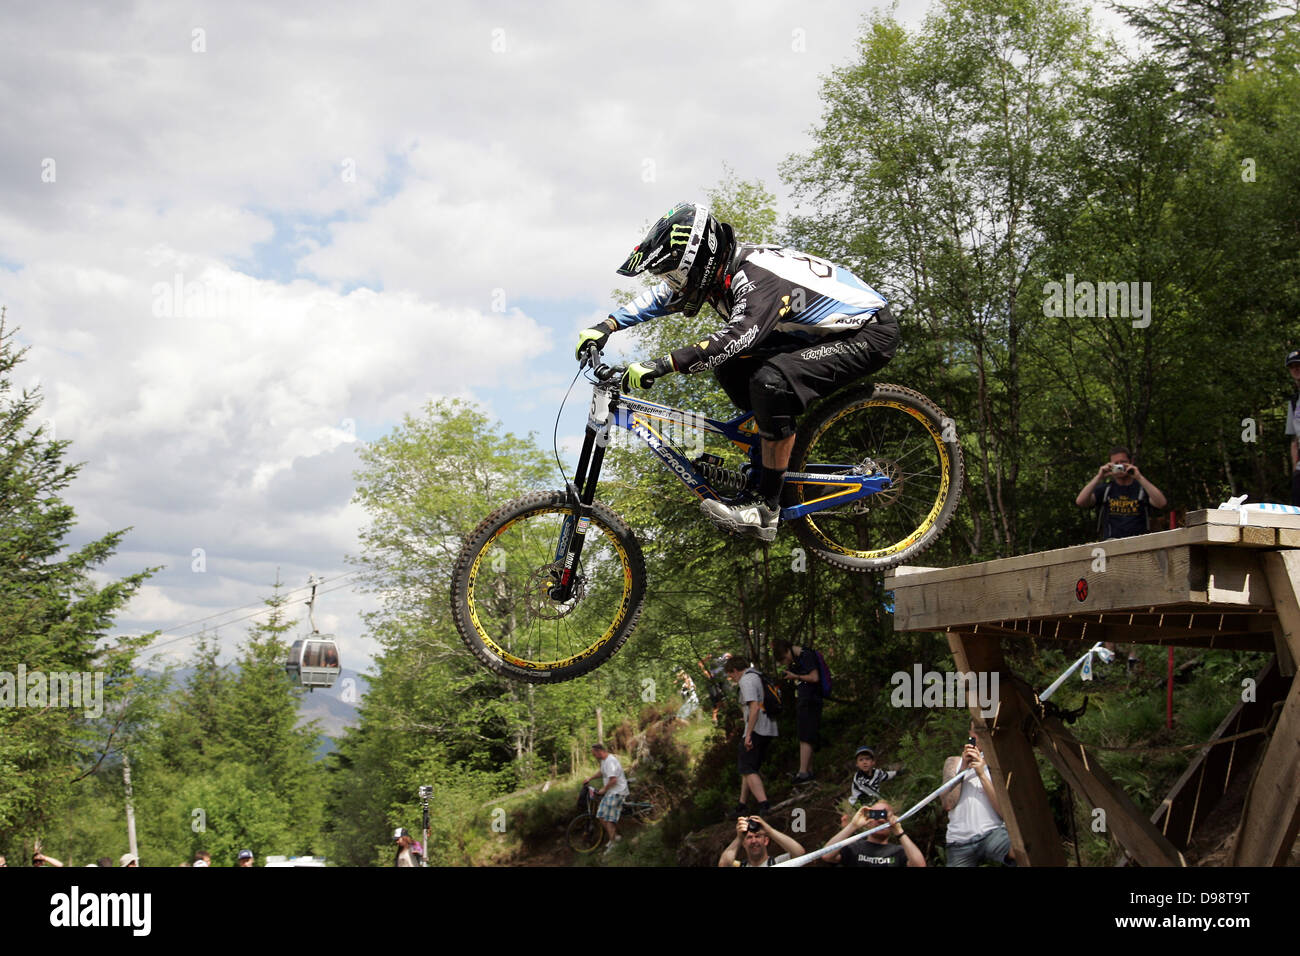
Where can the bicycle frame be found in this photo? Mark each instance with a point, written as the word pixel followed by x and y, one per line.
pixel 610 409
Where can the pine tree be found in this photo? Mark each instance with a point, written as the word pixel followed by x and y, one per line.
pixel 53 618
pixel 264 731
pixel 1202 40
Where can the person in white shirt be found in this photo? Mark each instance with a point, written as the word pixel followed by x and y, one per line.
pixel 612 794
pixel 760 731
pixel 976 831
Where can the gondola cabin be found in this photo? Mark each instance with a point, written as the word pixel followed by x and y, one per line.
pixel 314 662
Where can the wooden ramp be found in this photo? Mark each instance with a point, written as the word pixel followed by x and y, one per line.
pixel 1228 580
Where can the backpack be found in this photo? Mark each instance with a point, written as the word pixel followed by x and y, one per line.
pixel 1102 510
pixel 771 704
pixel 823 673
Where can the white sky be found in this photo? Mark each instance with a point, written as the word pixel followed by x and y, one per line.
pixel 356 190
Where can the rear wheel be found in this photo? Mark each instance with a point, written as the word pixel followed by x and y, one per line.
pixel 585 833
pixel 500 595
pixel 657 797
pixel 895 431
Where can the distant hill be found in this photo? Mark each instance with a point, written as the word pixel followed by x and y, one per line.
pixel 330 707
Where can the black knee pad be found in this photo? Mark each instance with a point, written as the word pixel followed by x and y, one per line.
pixel 775 405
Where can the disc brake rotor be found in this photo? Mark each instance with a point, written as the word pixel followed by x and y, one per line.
pixel 889 495
pixel 538 592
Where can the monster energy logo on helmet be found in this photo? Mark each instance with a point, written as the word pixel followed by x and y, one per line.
pixel 671 249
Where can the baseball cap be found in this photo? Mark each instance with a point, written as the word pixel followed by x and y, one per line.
pixel 865 750
pixel 399 833
pixel 127 859
pixel 245 854
pixel 1292 357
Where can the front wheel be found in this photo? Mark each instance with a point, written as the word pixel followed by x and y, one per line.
pixel 585 833
pixel 500 594
pixel 895 431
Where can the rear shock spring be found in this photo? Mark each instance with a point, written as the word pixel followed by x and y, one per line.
pixel 728 481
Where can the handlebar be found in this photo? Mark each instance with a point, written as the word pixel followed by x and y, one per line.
pixel 589 357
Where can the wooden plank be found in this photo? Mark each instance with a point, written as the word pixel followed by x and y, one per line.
pixel 1157 541
pixel 1235 577
pixel 907 576
pixel 1203 527
pixel 1282 568
pixel 1259 537
pixel 1282 651
pixel 1270 819
pixel 1132 580
pixel 1259 519
pixel 1140 839
pixel 1013 770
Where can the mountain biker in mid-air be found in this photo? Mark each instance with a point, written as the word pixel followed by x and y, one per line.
pixel 798 327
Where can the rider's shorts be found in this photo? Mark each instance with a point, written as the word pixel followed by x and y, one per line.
pixel 611 807
pixel 777 385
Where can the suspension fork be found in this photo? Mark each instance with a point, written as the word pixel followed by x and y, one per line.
pixel 581 491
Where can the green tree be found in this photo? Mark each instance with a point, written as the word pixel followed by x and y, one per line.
pixel 53 617
pixel 1202 41
pixel 937 173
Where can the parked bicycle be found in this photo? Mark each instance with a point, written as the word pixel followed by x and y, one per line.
pixel 549 586
pixel 585 833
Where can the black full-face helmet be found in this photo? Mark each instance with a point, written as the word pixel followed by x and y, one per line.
pixel 684 249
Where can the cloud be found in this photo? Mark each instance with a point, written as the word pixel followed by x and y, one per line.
pixel 240 238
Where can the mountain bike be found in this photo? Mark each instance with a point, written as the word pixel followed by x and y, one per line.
pixel 585 832
pixel 549 586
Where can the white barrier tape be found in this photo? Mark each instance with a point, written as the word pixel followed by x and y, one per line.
pixel 1097 648
pixel 1244 510
pixel 815 854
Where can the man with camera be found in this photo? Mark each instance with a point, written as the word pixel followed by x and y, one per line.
pixel 875 849
pixel 755 834
pixel 1124 502
pixel 976 831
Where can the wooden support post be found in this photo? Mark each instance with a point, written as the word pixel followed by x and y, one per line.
pixel 1012 768
pixel 1271 817
pixel 1136 834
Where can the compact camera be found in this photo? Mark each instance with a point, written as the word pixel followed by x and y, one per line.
pixel 877 814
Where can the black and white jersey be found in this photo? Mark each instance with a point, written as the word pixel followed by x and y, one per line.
pixel 774 299
pixel 867 785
